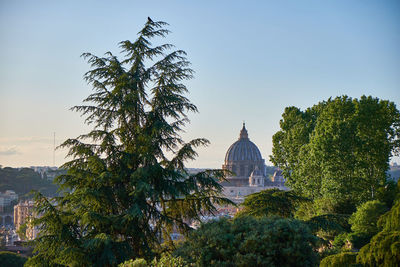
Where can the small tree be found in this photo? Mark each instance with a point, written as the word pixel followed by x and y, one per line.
pixel 124 196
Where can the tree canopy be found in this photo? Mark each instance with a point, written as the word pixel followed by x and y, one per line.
pixel 365 219
pixel 124 195
pixel 338 149
pixel 249 241
pixel 11 259
pixel 23 180
pixel 272 202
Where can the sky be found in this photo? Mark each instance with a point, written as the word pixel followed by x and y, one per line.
pixel 252 59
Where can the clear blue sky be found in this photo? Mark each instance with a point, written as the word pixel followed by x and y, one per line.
pixel 252 59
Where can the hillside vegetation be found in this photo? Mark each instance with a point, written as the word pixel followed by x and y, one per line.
pixel 22 181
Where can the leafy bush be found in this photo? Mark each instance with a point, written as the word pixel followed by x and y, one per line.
pixel 340 240
pixel 166 260
pixel 339 260
pixel 134 263
pixel 383 250
pixel 358 240
pixel 11 259
pixel 365 219
pixel 247 241
pixel 390 221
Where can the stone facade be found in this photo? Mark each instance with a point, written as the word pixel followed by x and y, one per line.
pixel 24 213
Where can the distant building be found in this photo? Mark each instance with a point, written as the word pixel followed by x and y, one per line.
pixel 23 213
pixel 46 172
pixel 244 160
pixel 6 198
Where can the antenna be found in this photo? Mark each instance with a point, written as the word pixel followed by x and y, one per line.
pixel 54 149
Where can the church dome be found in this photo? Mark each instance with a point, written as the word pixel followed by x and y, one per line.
pixel 243 149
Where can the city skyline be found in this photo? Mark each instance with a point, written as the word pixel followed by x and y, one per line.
pixel 251 60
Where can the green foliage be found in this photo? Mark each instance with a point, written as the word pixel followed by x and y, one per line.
pixel 390 221
pixel 384 247
pixel 248 241
pixel 359 239
pixel 322 206
pixel 365 219
pixel 338 149
pixel 11 259
pixel 166 260
pixel 388 193
pixel 324 217
pixel 327 223
pixel 123 195
pixel 383 250
pixel 134 263
pixel 22 231
pixel 22 181
pixel 351 240
pixel 364 225
pixel 272 202
pixel 339 260
pixel 340 240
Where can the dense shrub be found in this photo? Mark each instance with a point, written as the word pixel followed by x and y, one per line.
pixel 134 263
pixel 358 240
pixel 247 241
pixel 166 260
pixel 340 240
pixel 340 260
pixel 11 259
pixel 384 248
pixel 365 219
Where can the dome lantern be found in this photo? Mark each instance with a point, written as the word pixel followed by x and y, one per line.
pixel 243 133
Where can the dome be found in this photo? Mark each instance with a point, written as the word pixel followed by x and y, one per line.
pixel 256 178
pixel 243 149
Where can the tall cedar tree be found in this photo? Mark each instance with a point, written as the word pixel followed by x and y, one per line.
pixel 124 195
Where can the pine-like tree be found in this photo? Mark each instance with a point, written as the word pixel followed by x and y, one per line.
pixel 124 195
